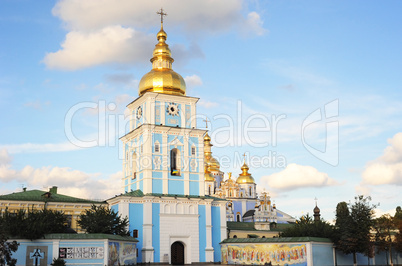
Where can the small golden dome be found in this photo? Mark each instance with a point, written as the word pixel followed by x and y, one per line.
pixel 207 138
pixel 245 177
pixel 208 176
pixel 162 78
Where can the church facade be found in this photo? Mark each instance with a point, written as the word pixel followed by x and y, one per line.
pixel 175 195
pixel 164 176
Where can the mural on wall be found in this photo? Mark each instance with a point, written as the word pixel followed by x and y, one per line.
pixel 122 253
pixel 81 253
pixel 277 254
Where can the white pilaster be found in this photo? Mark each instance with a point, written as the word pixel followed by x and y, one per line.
pixel 165 163
pixel 147 248
pixel 209 250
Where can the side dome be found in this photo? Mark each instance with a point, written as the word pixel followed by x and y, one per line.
pixel 162 78
pixel 245 177
pixel 208 177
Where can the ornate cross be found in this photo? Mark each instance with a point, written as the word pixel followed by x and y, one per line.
pixel 206 122
pixel 161 13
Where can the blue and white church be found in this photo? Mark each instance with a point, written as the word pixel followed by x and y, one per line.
pixel 164 172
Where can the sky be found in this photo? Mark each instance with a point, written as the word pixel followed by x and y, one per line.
pixel 308 92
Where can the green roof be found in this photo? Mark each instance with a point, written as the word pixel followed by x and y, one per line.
pixel 249 226
pixel 44 196
pixel 276 240
pixel 139 193
pixel 90 236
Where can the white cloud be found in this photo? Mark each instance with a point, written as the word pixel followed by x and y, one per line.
pixel 205 15
pixel 254 24
pixel 207 104
pixel 71 182
pixel 97 35
pixel 192 81
pixel 386 169
pixel 113 44
pixel 297 176
pixel 39 147
pixel 38 105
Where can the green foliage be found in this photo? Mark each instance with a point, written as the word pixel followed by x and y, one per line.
pixel 33 224
pixel 306 226
pixel 6 248
pixel 101 219
pixel 352 227
pixel 58 262
pixel 398 226
pixel 383 227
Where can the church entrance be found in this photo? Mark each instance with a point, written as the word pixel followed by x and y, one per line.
pixel 177 253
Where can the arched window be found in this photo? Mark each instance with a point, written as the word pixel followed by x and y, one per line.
pixel 235 236
pixel 209 190
pixel 175 162
pixel 193 150
pixel 238 217
pixel 249 191
pixel 134 166
pixel 157 147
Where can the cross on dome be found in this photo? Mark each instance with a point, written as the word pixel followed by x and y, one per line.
pixel 161 13
pixel 206 122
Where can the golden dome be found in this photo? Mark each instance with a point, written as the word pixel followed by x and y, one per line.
pixel 162 78
pixel 245 177
pixel 213 164
pixel 208 176
pixel 207 138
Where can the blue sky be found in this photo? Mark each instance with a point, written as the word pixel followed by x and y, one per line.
pixel 249 62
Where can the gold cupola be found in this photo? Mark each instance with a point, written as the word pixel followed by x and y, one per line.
pixel 208 176
pixel 162 78
pixel 245 177
pixel 210 161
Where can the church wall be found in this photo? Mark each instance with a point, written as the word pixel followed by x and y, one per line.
pixel 194 188
pixel 202 231
pixel 250 205
pixel 176 187
pixel 180 227
pixel 237 208
pixel 216 231
pixel 322 252
pixel 194 177
pixel 136 221
pixel 157 185
pixel 156 231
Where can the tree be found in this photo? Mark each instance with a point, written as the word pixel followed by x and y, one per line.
pixel 101 219
pixel 352 227
pixel 6 248
pixel 306 226
pixel 33 224
pixel 398 226
pixel 383 227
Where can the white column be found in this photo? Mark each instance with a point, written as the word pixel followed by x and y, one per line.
pixel 165 163
pixel 56 245
pixel 201 165
pixel 147 248
pixel 223 221
pixel 186 159
pixel 243 207
pixel 123 208
pixel 209 250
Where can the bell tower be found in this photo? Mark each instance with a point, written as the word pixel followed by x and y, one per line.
pixel 164 151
